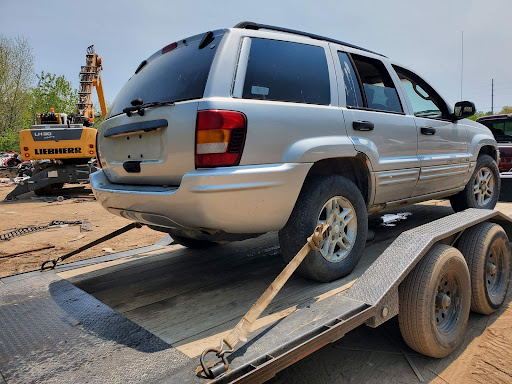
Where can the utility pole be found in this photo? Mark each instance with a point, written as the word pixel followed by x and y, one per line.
pixel 492 96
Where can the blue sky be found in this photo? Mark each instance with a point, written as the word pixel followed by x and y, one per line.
pixel 424 36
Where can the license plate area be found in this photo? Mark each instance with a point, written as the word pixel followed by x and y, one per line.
pixel 139 146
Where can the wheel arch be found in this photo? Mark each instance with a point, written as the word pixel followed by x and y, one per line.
pixel 488 150
pixel 356 168
pixel 483 144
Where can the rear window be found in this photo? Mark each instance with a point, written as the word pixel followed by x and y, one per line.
pixel 379 89
pixel 352 90
pixel 285 71
pixel 179 74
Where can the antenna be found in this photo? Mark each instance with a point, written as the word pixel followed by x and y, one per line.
pixel 492 96
pixel 462 64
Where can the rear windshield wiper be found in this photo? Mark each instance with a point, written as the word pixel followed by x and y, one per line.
pixel 139 108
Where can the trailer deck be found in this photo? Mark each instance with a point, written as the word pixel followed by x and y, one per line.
pixel 148 314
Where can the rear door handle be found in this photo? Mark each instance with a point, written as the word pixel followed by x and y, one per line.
pixel 428 131
pixel 360 125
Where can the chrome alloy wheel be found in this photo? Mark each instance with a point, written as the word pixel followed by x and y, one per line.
pixel 342 232
pixel 483 189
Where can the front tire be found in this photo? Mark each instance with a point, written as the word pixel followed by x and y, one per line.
pixel 483 188
pixel 346 240
pixel 434 302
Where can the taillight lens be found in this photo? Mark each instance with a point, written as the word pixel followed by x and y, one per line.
pixel 220 138
pixel 98 161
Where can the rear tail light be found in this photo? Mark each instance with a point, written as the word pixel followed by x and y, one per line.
pixel 98 161
pixel 220 138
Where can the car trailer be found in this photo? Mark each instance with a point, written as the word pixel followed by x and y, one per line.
pixel 83 322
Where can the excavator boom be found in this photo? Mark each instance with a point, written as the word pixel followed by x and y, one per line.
pixel 90 76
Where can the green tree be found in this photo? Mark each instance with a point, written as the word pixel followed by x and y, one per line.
pixel 506 109
pixel 53 91
pixel 479 114
pixel 16 75
pixel 98 118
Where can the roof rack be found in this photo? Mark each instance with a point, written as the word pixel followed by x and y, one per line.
pixel 256 26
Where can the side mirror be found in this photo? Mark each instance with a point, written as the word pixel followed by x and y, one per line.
pixel 463 109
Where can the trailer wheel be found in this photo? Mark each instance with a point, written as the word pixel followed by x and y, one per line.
pixel 486 249
pixel 483 188
pixel 346 239
pixel 434 302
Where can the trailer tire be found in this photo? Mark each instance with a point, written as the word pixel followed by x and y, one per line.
pixel 193 243
pixel 487 251
pixel 467 198
pixel 434 302
pixel 316 195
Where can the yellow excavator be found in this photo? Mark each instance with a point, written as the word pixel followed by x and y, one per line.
pixel 61 147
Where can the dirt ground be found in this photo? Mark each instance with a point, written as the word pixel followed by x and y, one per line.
pixel 26 212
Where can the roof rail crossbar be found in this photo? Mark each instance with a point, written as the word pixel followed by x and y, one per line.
pixel 256 26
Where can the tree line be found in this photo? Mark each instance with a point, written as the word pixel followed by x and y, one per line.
pixel 23 93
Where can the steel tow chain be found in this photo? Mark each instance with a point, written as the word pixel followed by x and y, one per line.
pixel 34 228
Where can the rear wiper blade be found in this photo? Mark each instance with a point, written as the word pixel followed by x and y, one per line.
pixel 141 107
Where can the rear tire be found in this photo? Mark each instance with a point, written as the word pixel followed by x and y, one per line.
pixel 193 243
pixel 486 249
pixel 479 193
pixel 434 302
pixel 346 239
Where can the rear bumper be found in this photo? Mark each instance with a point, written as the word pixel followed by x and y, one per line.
pixel 244 199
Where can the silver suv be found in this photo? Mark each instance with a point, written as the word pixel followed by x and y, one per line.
pixel 232 133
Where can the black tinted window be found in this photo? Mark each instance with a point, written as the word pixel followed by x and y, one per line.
pixel 179 74
pixel 284 71
pixel 352 90
pixel 501 128
pixel 378 86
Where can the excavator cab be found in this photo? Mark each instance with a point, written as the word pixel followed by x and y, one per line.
pixel 51 118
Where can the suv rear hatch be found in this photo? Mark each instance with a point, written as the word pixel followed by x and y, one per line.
pixel 143 142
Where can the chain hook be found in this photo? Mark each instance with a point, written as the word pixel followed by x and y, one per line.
pixel 219 368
